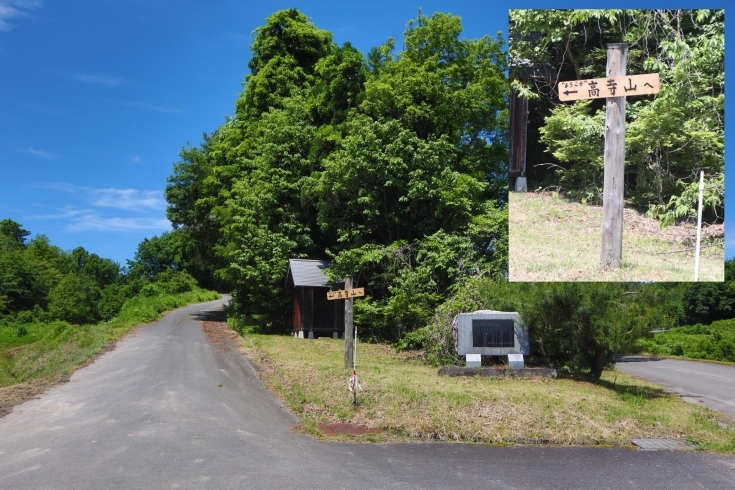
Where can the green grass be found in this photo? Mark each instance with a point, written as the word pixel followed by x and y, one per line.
pixel 553 239
pixel 53 350
pixel 410 401
pixel 715 342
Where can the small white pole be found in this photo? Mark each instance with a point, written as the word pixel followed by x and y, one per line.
pixel 699 226
pixel 354 368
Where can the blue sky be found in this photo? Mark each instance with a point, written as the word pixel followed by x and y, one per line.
pixel 97 97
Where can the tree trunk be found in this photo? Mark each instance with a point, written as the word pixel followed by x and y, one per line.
pixel 600 363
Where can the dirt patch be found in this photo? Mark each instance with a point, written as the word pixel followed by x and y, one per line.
pixel 347 429
pixel 10 396
pixel 218 333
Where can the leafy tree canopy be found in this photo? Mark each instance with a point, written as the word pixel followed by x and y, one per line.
pixel 332 155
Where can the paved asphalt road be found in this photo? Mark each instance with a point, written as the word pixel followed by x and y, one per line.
pixel 708 384
pixel 166 409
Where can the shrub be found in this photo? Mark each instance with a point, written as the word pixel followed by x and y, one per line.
pixel 74 299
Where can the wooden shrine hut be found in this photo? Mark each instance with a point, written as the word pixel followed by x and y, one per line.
pixel 313 315
pixel 525 71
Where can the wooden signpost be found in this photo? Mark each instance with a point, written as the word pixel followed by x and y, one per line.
pixel 348 294
pixel 615 88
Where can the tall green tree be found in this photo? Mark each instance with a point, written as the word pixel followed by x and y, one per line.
pixel 414 191
pixel 329 154
pixel 285 52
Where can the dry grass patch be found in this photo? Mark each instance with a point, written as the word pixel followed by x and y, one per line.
pixel 552 239
pixel 409 400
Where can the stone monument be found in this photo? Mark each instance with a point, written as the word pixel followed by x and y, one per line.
pixel 491 333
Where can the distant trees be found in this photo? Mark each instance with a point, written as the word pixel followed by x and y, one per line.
pixel 41 282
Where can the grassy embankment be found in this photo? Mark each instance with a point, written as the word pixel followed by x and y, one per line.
pixel 553 239
pixel 410 401
pixel 52 350
pixel 715 342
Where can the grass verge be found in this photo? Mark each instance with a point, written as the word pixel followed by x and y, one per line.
pixel 553 239
pixel 409 401
pixel 51 351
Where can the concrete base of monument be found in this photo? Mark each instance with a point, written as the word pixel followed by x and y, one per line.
pixel 497 372
pixel 521 185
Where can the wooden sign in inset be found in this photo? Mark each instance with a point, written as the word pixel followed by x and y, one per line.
pixel 600 88
pixel 342 294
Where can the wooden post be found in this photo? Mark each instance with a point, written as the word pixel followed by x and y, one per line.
pixel 699 226
pixel 349 339
pixel 612 199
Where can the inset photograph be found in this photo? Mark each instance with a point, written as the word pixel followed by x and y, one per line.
pixel 616 145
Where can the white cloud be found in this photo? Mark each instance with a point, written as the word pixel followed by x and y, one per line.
pixel 146 106
pixel 152 107
pixel 97 79
pixel 94 222
pixel 63 213
pixel 107 209
pixel 11 9
pixel 130 199
pixel 135 159
pixel 125 199
pixel 41 154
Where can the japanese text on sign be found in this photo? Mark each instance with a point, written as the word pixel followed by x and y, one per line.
pixel 598 88
pixel 342 294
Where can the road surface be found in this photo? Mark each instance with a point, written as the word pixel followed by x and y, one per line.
pixel 167 409
pixel 704 383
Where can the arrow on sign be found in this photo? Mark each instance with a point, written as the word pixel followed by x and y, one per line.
pixel 600 88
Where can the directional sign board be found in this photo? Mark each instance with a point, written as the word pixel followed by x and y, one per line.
pixel 600 88
pixel 342 294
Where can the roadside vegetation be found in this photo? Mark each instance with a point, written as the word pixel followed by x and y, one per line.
pixel 408 400
pixel 58 309
pixel 53 349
